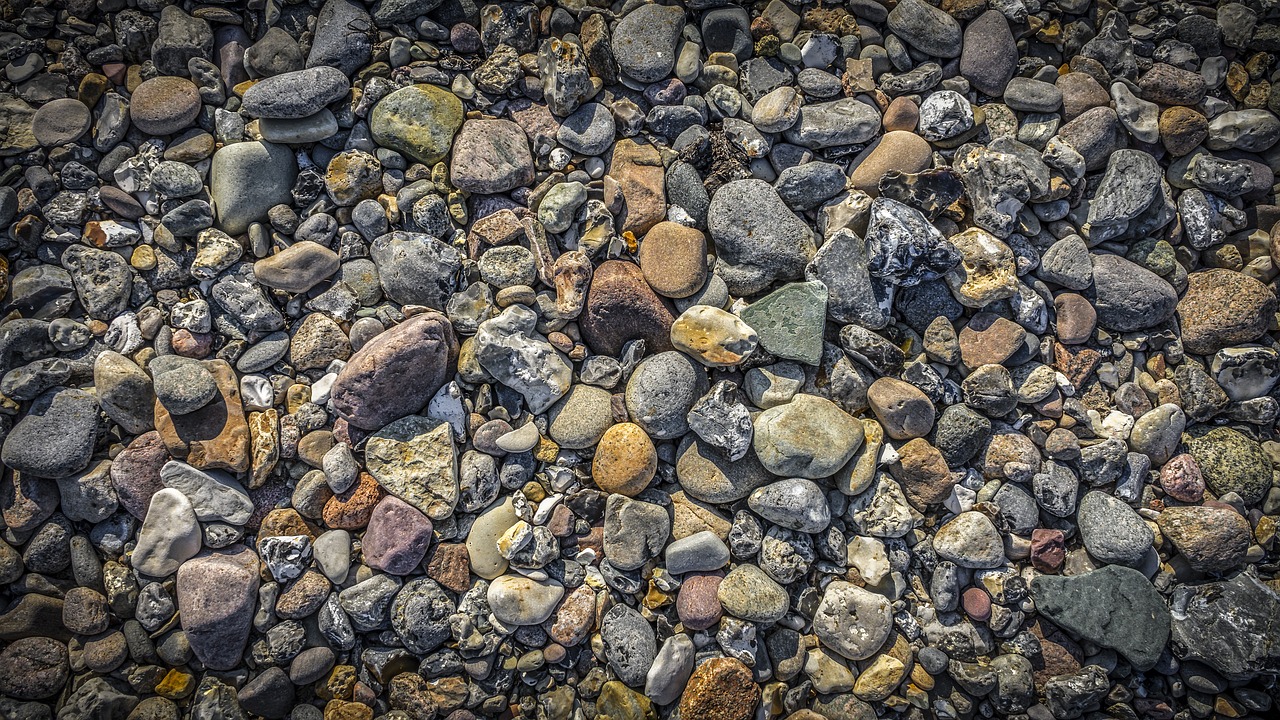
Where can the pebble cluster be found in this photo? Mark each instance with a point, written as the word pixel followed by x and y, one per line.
pixel 575 359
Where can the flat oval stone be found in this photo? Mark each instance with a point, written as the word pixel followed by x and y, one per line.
pixel 296 94
pixel 297 268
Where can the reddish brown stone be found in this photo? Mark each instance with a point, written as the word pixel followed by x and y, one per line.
pixel 1048 550
pixel 923 473
pixel 976 603
pixel 450 566
pixel 698 604
pixel 990 340
pixel 27 501
pixel 621 307
pixel 351 510
pixel 572 622
pixel 283 522
pixel 1076 318
pixel 214 437
pixel 1077 362
pixel 1223 307
pixel 638 169
pixel 1182 480
pixel 720 689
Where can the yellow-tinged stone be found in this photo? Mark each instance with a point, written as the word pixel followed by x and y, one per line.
pixel 264 438
pixel 343 710
pixel 338 684
pixel 857 475
pixel 176 685
pixel 619 702
pixel 625 460
pixel 296 397
pixel 713 337
pixel 546 451
pixel 880 678
pixel 143 258
pixel 921 678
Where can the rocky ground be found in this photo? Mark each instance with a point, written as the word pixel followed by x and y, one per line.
pixel 566 360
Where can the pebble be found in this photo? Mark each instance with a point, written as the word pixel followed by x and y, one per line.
pixel 518 600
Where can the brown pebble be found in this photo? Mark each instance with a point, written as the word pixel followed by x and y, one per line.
pixel 673 259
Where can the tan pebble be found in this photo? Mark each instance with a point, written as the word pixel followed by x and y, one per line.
pixel 625 460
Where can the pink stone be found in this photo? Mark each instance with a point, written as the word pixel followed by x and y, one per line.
pixel 697 604
pixel 397 537
pixel 1182 480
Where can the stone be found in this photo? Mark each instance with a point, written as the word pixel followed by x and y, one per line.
pixel 1129 297
pixel 989 55
pixel 397 537
pixel 1111 531
pixel 415 268
pixel 644 41
pixel 625 460
pixel 396 373
pixel 673 259
pixel 620 306
pixel 852 621
pixel 34 668
pixel 216 436
pixel 634 531
pixel 790 321
pixel 712 336
pixel 836 123
pixel 1228 625
pixel 796 503
pixel 581 418
pixel 638 168
pixel 246 180
pixel 296 94
pixel 986 272
pixel 216 592
pixel 414 459
pixel 1231 462
pixel 748 593
pixel 926 28
pixel 417 120
pixel 55 437
pixel 808 437
pixel 513 352
pixel 497 157
pixel 720 689
pixel 758 239
pixel 61 121
pixel 1222 307
pixel 518 600
pixel 1115 607
pixel 902 409
pixel 970 540
pixel 896 151
pixel 164 105
pixel 629 644
pixel 297 268
pixel 1212 539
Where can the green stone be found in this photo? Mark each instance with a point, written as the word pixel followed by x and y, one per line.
pixel 419 121
pixel 790 321
pixel 1232 462
pixel 1154 255
pixel 1115 607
